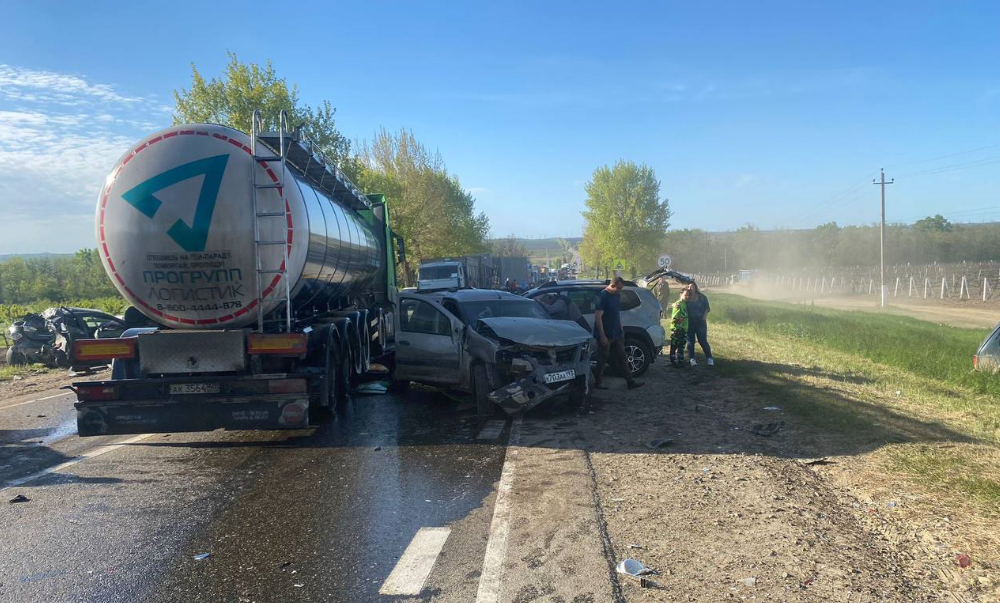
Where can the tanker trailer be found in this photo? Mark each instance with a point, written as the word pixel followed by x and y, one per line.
pixel 265 281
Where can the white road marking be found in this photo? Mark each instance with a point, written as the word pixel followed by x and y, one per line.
pixel 36 400
pixel 410 573
pixel 496 546
pixel 492 430
pixel 86 455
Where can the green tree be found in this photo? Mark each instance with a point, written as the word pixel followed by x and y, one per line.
pixel 626 219
pixel 429 207
pixel 231 99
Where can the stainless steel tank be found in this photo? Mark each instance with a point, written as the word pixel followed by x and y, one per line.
pixel 174 229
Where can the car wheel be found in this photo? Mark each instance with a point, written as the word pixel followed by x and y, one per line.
pixel 481 387
pixel 15 358
pixel 579 392
pixel 638 356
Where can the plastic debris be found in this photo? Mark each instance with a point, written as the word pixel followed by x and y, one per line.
pixel 635 546
pixel 202 556
pixel 375 388
pixel 660 443
pixel 749 581
pixel 20 498
pixel 298 585
pixel 771 408
pixel 647 583
pixel 963 560
pixel 631 567
pixel 891 504
pixel 767 429
pixel 284 565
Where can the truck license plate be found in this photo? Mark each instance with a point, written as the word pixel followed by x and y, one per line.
pixel 560 376
pixel 194 388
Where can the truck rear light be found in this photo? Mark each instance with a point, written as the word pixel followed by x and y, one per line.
pixel 283 344
pixel 286 386
pixel 97 392
pixel 89 350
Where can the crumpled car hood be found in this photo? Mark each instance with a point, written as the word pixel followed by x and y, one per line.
pixel 537 331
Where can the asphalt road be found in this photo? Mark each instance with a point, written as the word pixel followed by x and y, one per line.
pixel 322 514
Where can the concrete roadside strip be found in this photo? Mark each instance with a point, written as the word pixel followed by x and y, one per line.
pixel 546 536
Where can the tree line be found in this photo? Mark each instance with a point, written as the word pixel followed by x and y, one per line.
pixel 930 240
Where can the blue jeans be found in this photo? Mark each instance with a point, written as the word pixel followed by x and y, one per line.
pixel 698 327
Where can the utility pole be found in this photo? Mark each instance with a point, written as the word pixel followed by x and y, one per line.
pixel 881 233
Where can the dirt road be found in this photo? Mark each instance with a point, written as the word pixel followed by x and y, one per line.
pixel 967 314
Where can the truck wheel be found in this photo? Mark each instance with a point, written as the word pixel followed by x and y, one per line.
pixel 342 382
pixel 481 387
pixel 638 356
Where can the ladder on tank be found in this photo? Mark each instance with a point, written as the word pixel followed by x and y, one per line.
pixel 256 129
pixel 302 158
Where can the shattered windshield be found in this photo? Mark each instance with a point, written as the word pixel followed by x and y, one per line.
pixel 495 308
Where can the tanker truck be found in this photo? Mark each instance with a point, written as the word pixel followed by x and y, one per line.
pixel 261 281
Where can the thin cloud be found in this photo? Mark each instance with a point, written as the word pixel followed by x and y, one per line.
pixel 60 135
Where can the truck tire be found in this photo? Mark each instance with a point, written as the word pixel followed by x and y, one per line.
pixel 638 355
pixel 482 388
pixel 342 382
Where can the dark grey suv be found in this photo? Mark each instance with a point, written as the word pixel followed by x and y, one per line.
pixel 641 316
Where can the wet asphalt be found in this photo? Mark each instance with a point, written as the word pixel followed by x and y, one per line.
pixel 312 515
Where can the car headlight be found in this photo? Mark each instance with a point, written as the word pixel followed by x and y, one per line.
pixel 15 335
pixel 12 329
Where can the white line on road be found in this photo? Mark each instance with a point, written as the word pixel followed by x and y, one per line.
pixel 410 573
pixel 492 430
pixel 496 546
pixel 86 455
pixel 37 400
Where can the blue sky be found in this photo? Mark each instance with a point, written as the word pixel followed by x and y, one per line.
pixel 772 113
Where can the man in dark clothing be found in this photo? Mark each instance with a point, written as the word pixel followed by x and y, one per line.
pixel 610 335
pixel 698 310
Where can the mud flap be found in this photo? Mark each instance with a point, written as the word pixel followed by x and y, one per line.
pixel 112 418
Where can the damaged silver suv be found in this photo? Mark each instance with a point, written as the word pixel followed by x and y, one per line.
pixel 500 347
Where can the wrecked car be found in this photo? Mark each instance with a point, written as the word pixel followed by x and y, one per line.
pixel 47 338
pixel 500 347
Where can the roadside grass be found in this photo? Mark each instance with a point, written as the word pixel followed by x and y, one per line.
pixel 896 387
pixel 9 372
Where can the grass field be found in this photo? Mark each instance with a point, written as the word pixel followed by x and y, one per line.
pixel 898 388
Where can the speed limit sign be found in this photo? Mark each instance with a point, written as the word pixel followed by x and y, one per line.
pixel 663 261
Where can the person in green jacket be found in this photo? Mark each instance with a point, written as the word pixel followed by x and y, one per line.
pixel 678 329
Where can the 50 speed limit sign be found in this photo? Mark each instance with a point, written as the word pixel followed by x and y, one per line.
pixel 663 261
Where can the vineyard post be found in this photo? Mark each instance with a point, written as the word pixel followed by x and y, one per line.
pixel 910 292
pixel 986 288
pixel 927 286
pixel 895 292
pixel 963 291
pixel 944 283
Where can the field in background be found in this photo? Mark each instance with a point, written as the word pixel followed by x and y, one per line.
pixel 895 392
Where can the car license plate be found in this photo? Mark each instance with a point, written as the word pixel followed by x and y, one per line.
pixel 560 376
pixel 194 388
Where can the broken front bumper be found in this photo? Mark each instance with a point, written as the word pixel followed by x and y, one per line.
pixel 530 389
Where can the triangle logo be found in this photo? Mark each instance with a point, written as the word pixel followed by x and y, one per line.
pixel 194 236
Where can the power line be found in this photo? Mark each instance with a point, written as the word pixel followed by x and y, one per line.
pixel 992 146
